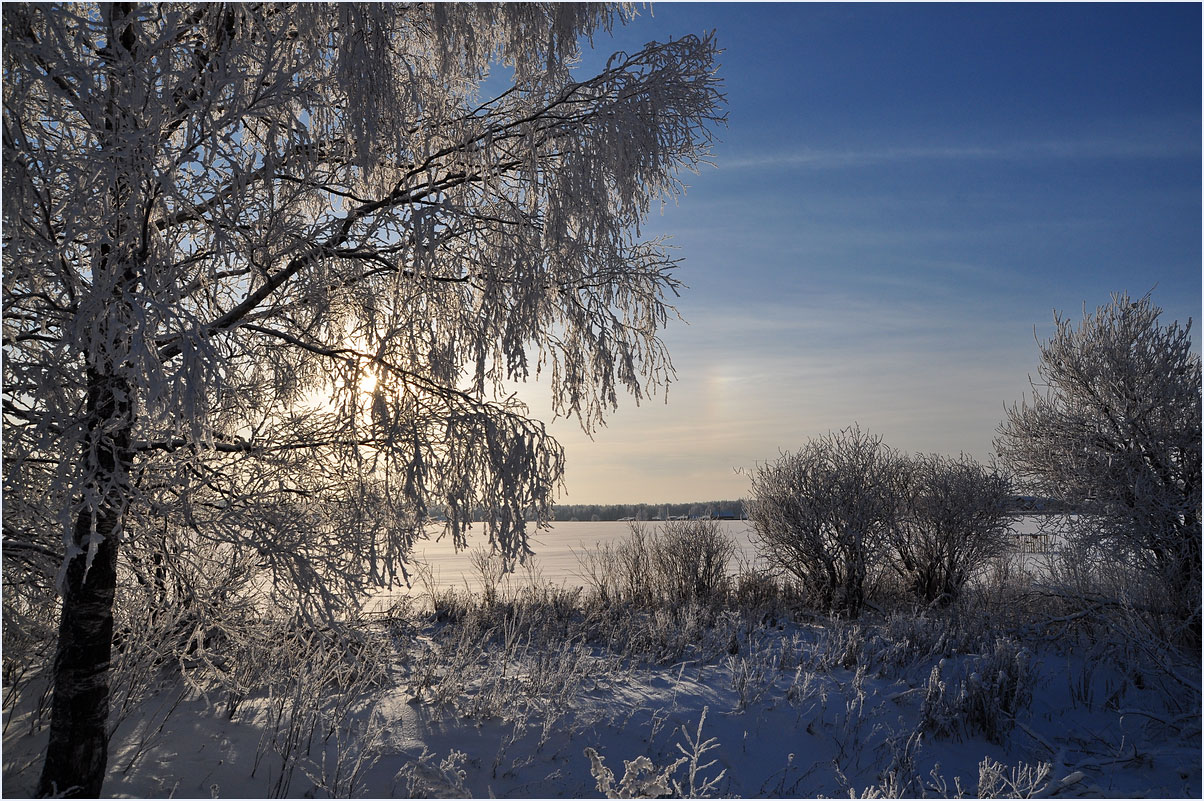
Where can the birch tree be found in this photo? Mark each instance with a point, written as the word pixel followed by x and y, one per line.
pixel 1113 428
pixel 267 269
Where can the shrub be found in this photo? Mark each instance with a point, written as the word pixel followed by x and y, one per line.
pixel 983 696
pixel 995 780
pixel 759 596
pixel 690 562
pixel 643 779
pixel 824 513
pixel 954 518
pixel 681 562
pixel 618 571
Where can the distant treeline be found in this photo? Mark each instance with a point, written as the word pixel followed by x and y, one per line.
pixel 714 510
pixel 734 510
pixel 703 510
pixel 718 510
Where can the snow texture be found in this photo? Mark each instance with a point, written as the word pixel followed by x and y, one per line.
pixel 541 694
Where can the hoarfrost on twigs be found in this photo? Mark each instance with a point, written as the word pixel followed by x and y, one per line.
pixel 220 220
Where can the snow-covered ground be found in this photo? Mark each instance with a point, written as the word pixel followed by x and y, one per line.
pixel 544 695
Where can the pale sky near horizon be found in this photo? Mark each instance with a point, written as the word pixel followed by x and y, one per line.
pixel 903 195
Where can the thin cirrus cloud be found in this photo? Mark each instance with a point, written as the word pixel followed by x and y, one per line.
pixel 897 208
pixel 830 159
pixel 751 384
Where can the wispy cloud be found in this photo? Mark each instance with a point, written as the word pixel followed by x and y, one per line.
pixel 1085 149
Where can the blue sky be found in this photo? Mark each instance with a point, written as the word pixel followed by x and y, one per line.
pixel 902 195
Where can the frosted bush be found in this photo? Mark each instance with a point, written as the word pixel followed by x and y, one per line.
pixel 314 686
pixel 757 594
pixel 995 780
pixel 1113 429
pixel 840 645
pixel 666 634
pixel 903 640
pixel 350 749
pixel 823 515
pixel 641 778
pixel 754 673
pixel 906 640
pixel 490 569
pixel 681 562
pixel 954 517
pixel 937 716
pixel 690 561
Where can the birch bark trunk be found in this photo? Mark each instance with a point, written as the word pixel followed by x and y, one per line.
pixel 77 752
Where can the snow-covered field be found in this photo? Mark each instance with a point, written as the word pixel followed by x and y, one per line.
pixel 543 692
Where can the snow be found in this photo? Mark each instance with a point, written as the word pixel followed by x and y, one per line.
pixel 505 702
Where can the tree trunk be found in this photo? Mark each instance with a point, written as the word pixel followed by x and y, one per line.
pixel 1186 582
pixel 77 754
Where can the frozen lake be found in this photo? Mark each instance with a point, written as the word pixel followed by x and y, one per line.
pixel 556 552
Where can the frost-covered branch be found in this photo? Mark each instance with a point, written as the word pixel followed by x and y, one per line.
pixel 284 243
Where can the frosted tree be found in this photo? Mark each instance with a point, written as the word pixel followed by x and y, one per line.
pixel 1114 429
pixel 268 268
pixel 824 514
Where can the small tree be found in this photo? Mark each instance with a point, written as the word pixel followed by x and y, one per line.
pixel 1115 430
pixel 954 517
pixel 824 513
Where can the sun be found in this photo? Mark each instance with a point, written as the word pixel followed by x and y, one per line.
pixel 330 396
